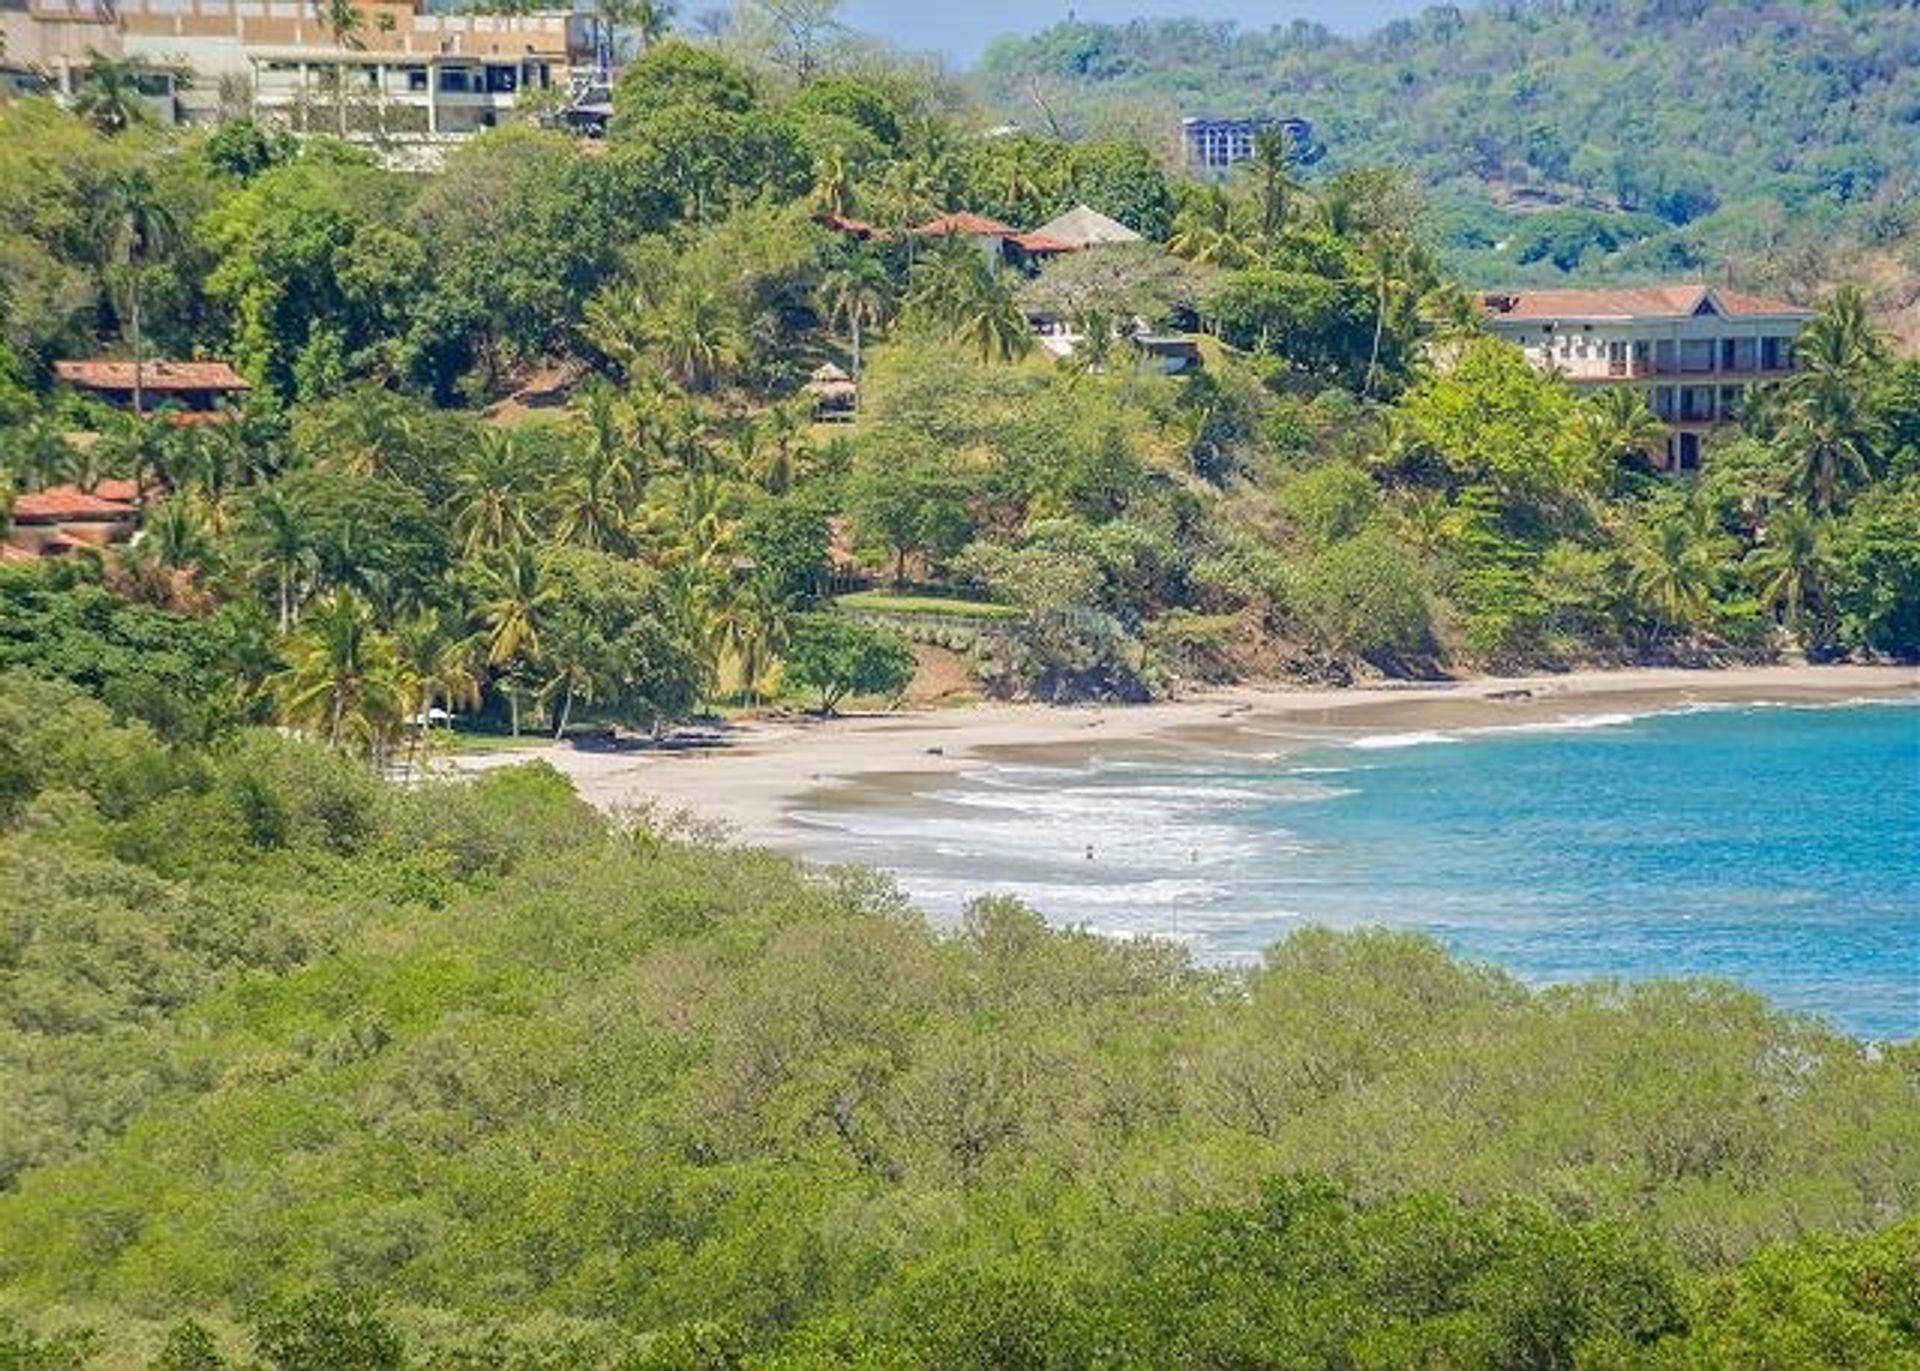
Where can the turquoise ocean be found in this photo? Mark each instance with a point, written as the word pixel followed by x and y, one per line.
pixel 1774 845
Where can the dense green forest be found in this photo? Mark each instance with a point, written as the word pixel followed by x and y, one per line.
pixel 1355 481
pixel 1598 137
pixel 310 1069
pixel 308 1063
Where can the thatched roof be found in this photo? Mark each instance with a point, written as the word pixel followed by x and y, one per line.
pixel 1083 226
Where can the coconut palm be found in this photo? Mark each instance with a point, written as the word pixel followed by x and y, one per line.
pixel 36 452
pixel 1791 568
pixel 697 337
pixel 439 668
pixel 343 678
pixel 1385 270
pixel 276 532
pixel 960 289
pixel 516 598
pixel 1826 422
pixel 492 483
pixel 1674 568
pixel 179 534
pixel 833 183
pixel 1209 229
pixel 856 295
pixel 1619 425
pixel 138 228
pixel 109 95
pixel 1273 181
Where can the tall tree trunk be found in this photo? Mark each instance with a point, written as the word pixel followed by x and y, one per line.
pixel 1379 327
pixel 856 357
pixel 139 365
pixel 566 713
pixel 286 599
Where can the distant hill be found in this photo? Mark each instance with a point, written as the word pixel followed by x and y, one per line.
pixel 1603 137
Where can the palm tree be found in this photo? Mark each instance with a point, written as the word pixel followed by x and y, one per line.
pixel 282 544
pixel 1385 270
pixel 856 295
pixel 991 320
pixel 753 631
pixel 438 667
pixel 1208 229
pixel 958 287
pixel 343 677
pixel 1792 567
pixel 35 451
pixel 1829 437
pixel 833 184
pixel 1674 568
pixel 109 95
pixel 590 507
pixel 697 337
pixel 1274 185
pixel 1828 424
pixel 492 482
pixel 512 614
pixel 177 531
pixel 1619 425
pixel 138 228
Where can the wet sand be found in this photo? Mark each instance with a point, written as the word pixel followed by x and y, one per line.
pixel 751 786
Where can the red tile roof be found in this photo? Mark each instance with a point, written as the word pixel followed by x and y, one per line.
pixel 858 228
pixel 974 225
pixel 115 488
pixel 1042 242
pixel 157 376
pixel 65 504
pixel 1627 302
pixel 13 552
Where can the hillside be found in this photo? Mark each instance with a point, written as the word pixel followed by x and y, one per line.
pixel 462 1077
pixel 1607 137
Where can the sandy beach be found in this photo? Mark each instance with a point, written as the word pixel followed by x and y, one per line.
pixel 751 783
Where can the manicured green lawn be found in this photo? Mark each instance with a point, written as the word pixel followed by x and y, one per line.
pixel 887 602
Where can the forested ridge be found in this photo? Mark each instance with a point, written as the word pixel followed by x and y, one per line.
pixel 397 519
pixel 304 1067
pixel 1770 142
pixel 309 1060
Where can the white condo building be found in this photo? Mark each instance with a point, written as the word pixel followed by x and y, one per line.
pixel 1693 350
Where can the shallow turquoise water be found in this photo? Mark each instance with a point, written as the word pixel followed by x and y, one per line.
pixel 1777 846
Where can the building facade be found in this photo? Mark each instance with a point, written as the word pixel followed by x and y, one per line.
pixel 1694 351
pixel 400 75
pixel 1220 144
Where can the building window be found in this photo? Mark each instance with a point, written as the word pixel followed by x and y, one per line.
pixel 502 80
pixel 454 80
pixel 417 79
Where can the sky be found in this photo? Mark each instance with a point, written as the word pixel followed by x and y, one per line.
pixel 962 28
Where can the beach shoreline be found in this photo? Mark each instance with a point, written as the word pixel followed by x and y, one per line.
pixel 751 787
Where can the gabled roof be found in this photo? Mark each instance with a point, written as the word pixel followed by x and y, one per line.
pixel 1083 226
pixel 974 225
pixel 69 504
pixel 1632 302
pixel 856 228
pixel 115 375
pixel 1039 242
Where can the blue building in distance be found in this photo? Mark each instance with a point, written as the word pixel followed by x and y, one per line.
pixel 1217 144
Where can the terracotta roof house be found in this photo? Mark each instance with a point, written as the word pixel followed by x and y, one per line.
pixel 1693 350
pixel 193 387
pixel 60 518
pixel 853 228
